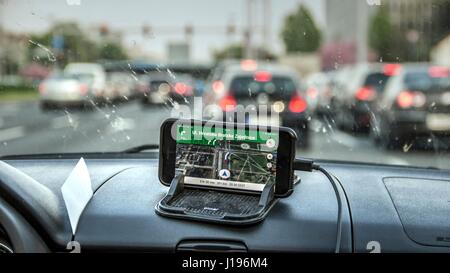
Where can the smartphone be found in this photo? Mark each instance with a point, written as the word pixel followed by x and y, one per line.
pixel 227 156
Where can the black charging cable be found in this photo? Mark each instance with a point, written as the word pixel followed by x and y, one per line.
pixel 308 165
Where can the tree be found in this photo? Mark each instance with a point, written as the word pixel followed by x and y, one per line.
pixel 112 51
pixel 381 35
pixel 300 33
pixel 237 51
pixel 76 46
pixel 230 52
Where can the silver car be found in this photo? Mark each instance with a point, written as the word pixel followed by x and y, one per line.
pixel 65 90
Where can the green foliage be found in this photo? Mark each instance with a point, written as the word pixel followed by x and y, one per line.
pixel 77 47
pixel 112 51
pixel 18 93
pixel 237 51
pixel 390 42
pixel 382 36
pixel 230 52
pixel 300 33
pixel 17 88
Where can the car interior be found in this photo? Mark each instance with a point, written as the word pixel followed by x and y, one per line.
pixel 246 127
pixel 404 209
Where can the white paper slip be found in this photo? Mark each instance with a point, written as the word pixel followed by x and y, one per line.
pixel 77 191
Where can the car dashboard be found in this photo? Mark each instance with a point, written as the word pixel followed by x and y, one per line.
pixel 386 209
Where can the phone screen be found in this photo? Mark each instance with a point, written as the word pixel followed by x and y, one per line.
pixel 241 159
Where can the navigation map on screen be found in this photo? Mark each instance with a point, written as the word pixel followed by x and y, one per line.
pixel 227 158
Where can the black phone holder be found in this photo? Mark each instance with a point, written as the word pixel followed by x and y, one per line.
pixel 215 205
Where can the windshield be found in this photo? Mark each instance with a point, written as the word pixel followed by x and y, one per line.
pixel 359 80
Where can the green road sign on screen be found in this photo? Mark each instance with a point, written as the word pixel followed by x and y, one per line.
pixel 209 135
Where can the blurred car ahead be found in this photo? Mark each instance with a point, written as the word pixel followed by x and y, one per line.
pixel 196 71
pixel 354 102
pixel 119 86
pixel 338 82
pixel 250 89
pixel 98 75
pixel 416 103
pixel 219 69
pixel 167 88
pixel 318 92
pixel 141 86
pixel 159 87
pixel 66 90
pixel 184 87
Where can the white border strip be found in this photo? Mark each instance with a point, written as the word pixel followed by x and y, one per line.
pixel 223 183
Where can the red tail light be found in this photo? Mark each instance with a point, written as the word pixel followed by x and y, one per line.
pixel 439 72
pixel 407 99
pixel 84 89
pixel 262 76
pixel 218 87
pixel 42 89
pixel 297 104
pixel 182 88
pixel 391 69
pixel 228 103
pixel 366 94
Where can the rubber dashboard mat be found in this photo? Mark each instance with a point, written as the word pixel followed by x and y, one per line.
pixel 214 203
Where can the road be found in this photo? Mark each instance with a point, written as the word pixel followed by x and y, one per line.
pixel 25 129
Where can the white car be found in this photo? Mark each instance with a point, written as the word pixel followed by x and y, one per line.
pixel 98 75
pixel 66 90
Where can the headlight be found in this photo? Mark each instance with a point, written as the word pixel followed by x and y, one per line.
pixel 278 106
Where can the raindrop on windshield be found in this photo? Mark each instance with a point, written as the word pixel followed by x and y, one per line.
pixel 51 57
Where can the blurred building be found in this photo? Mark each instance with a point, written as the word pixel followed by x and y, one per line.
pixel 340 21
pixel 440 54
pixel 423 24
pixel 103 33
pixel 138 52
pixel 345 34
pixel 178 52
pixel 418 24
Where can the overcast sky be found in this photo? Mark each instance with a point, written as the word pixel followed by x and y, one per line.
pixel 26 16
